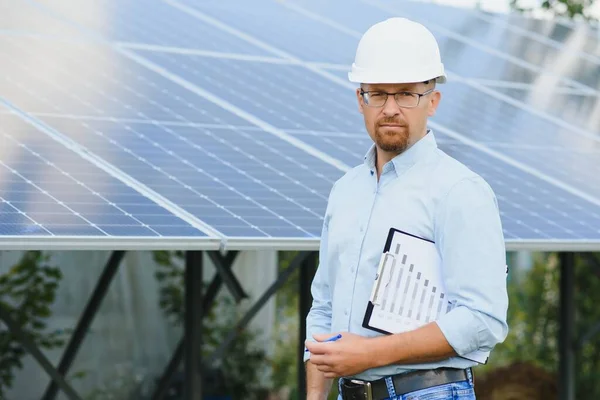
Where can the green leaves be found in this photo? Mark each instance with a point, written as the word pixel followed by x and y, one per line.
pixel 533 318
pixel 27 292
pixel 563 8
pixel 243 361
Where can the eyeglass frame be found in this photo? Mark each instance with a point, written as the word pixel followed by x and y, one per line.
pixel 387 94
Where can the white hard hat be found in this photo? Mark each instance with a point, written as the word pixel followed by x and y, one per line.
pixel 397 50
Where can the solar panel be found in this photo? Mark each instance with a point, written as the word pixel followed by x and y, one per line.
pixel 486 124
pixel 48 190
pixel 219 111
pixel 243 183
pixel 77 80
pixel 149 23
pixel 580 110
pixel 555 60
pixel 28 19
pixel 583 37
pixel 309 102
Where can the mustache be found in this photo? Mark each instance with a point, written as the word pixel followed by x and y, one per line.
pixel 392 121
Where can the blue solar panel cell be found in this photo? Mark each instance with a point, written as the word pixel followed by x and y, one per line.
pixel 206 172
pixel 45 187
pixel 279 27
pixel 580 110
pixel 150 22
pixel 496 38
pixel 86 80
pixel 485 118
pixel 500 54
pixel 235 167
pixel 348 148
pixel 285 96
pixel 530 207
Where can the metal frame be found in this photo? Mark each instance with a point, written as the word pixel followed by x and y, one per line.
pixel 566 340
pixel 207 302
pixel 194 313
pixel 37 354
pixel 188 348
pixel 281 280
pixel 307 272
pixel 84 323
pixel 58 375
pixel 239 243
pixel 109 243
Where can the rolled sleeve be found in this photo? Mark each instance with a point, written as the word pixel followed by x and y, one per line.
pixel 471 244
pixel 319 316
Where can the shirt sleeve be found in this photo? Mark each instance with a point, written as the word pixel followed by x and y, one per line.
pixel 319 316
pixel 469 237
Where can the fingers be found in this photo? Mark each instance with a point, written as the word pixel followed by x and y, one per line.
pixel 319 337
pixel 316 348
pixel 325 368
pixel 318 359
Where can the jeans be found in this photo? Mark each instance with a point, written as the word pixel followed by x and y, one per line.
pixel 451 391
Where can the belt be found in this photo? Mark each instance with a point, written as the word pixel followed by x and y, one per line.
pixel 354 389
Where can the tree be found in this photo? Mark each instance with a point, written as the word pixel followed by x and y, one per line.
pixel 534 325
pixel 238 373
pixel 562 8
pixel 27 291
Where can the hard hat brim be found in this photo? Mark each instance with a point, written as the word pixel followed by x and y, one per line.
pixel 426 74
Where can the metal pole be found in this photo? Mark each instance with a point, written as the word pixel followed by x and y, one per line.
pixel 37 354
pixel 193 326
pixel 85 321
pixel 307 272
pixel 567 327
pixel 281 280
pixel 211 293
pixel 223 267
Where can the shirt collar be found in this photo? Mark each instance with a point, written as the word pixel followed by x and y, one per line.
pixel 407 159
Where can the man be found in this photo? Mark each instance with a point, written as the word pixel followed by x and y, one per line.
pixel 406 183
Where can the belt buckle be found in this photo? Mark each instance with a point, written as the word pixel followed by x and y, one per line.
pixel 367 386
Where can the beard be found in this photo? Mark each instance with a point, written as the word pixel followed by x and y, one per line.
pixel 391 139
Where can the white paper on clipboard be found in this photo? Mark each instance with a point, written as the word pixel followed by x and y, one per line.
pixel 409 291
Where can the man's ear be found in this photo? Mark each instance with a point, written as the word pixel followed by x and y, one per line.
pixel 360 101
pixel 433 103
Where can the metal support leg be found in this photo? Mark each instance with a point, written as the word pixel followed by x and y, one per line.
pixel 86 320
pixel 192 389
pixel 567 325
pixel 37 355
pixel 281 280
pixel 307 272
pixel 223 266
pixel 211 294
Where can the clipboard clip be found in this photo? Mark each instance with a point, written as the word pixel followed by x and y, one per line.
pixel 378 288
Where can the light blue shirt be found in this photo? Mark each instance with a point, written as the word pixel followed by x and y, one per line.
pixel 427 193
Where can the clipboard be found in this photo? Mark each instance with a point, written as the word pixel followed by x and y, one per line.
pixel 408 291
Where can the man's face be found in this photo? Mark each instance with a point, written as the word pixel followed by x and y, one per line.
pixel 393 128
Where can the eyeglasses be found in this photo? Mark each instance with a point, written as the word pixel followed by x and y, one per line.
pixel 377 98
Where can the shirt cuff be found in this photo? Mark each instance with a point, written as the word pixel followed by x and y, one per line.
pixel 461 329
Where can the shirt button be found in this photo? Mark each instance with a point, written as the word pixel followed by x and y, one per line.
pixel 346 311
pixel 362 229
pixel 352 269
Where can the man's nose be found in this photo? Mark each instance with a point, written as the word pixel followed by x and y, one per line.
pixel 390 108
